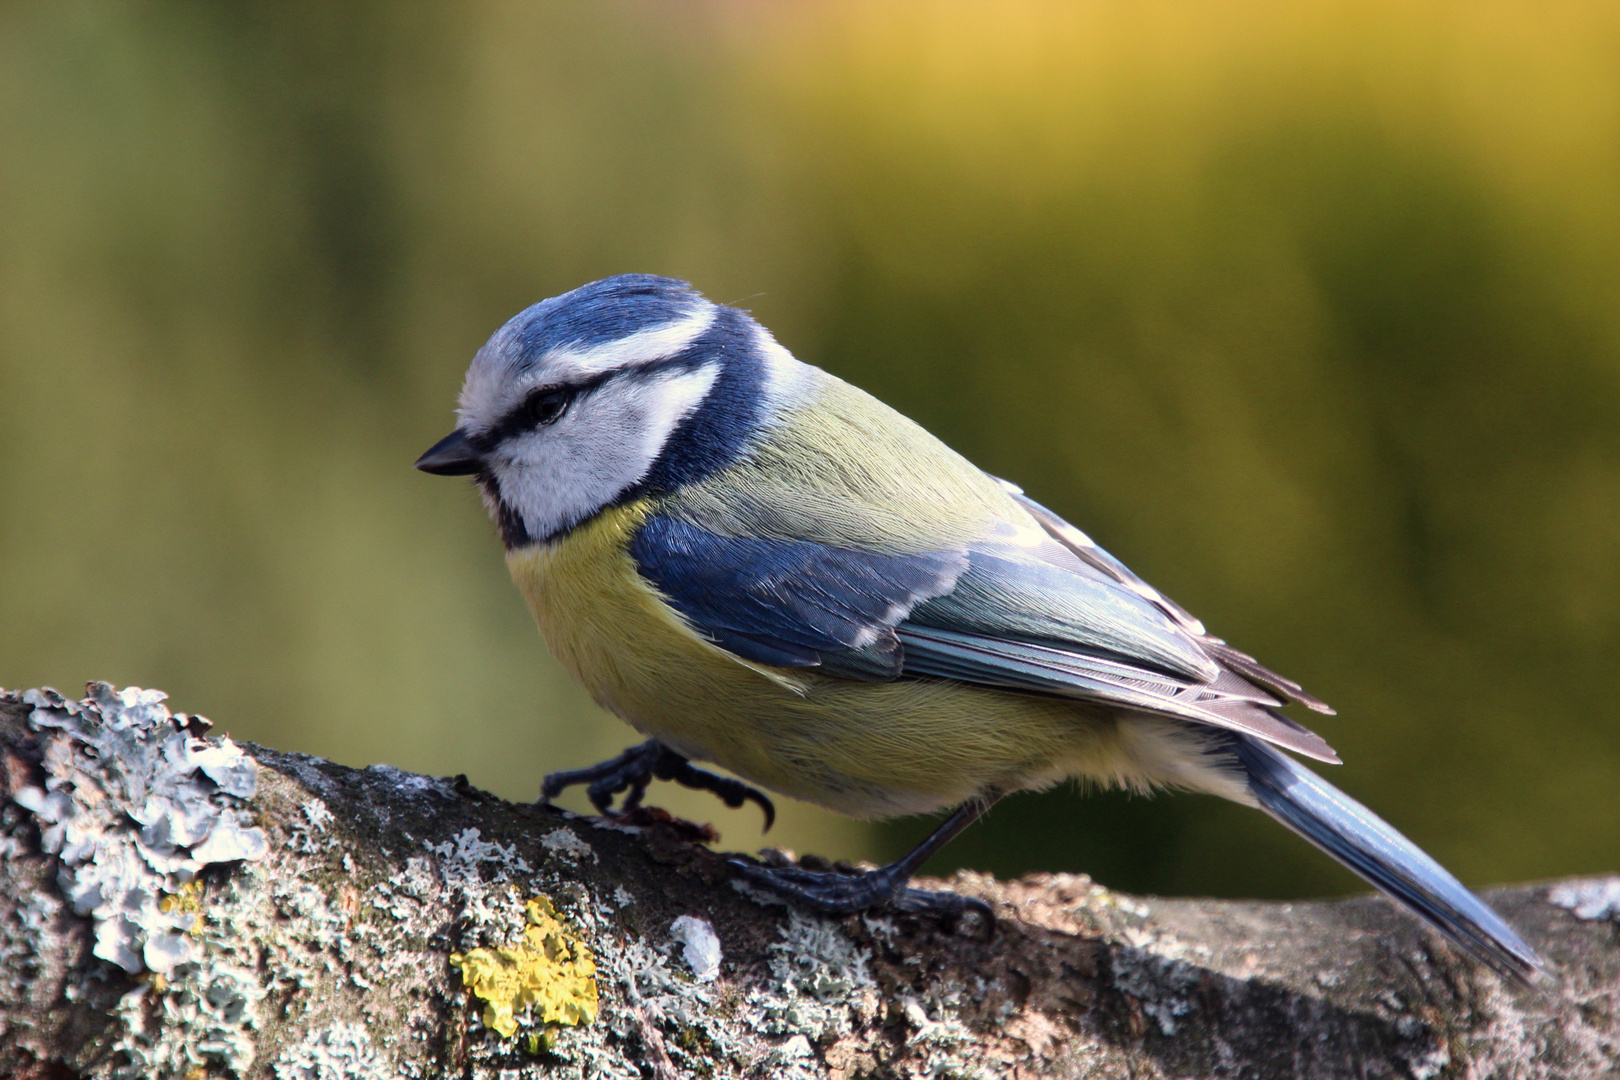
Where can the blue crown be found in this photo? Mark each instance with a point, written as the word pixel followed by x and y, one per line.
pixel 601 312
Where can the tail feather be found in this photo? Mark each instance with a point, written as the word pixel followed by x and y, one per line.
pixel 1362 841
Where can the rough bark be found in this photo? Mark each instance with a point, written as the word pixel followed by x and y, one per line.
pixel 168 909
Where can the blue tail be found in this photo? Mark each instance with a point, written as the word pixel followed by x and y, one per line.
pixel 1359 839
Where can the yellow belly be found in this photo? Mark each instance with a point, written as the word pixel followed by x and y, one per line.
pixel 868 749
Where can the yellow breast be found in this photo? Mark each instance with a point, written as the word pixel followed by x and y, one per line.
pixel 630 649
pixel 869 749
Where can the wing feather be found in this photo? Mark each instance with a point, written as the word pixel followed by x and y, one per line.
pixel 1005 611
pixel 1087 550
pixel 791 603
pixel 1041 669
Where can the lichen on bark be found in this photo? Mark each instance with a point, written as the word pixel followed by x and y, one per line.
pixel 292 918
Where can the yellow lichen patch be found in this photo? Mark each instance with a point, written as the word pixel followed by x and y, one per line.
pixel 185 900
pixel 550 971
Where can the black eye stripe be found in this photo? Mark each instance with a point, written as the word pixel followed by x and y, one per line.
pixel 520 418
pixel 536 409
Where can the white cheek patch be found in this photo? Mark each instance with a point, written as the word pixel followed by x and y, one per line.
pixel 655 405
pixel 557 476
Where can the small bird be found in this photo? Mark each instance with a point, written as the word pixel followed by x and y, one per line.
pixel 758 565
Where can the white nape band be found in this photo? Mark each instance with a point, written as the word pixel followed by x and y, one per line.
pixel 567 363
pixel 786 379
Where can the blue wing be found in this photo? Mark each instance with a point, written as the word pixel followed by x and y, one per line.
pixel 1033 617
pixel 792 603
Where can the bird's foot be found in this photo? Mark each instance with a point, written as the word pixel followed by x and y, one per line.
pixel 835 893
pixel 639 766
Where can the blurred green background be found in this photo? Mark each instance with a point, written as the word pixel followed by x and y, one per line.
pixel 1311 313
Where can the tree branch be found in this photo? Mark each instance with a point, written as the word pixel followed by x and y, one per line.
pixel 172 905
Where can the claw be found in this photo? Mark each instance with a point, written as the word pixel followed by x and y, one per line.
pixel 631 769
pixel 842 894
pixel 948 908
pixel 731 792
pixel 834 894
pixel 845 894
pixel 638 767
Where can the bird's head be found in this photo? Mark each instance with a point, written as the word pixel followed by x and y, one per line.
pixel 625 385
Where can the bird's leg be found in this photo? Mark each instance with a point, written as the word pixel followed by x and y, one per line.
pixel 639 766
pixel 842 894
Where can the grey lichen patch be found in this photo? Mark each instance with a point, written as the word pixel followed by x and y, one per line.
pixel 179 1027
pixel 320 950
pixel 815 957
pixel 566 843
pixel 463 858
pixel 308 833
pixel 342 1051
pixel 134 805
pixel 821 992
pixel 938 1031
pixel 1590 900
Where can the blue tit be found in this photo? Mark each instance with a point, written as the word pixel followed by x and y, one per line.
pixel 758 565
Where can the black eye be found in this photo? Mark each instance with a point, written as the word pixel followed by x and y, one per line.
pixel 545 406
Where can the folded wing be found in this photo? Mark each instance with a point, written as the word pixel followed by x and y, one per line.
pixel 1086 549
pixel 1049 615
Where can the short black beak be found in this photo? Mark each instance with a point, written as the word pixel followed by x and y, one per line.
pixel 452 455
